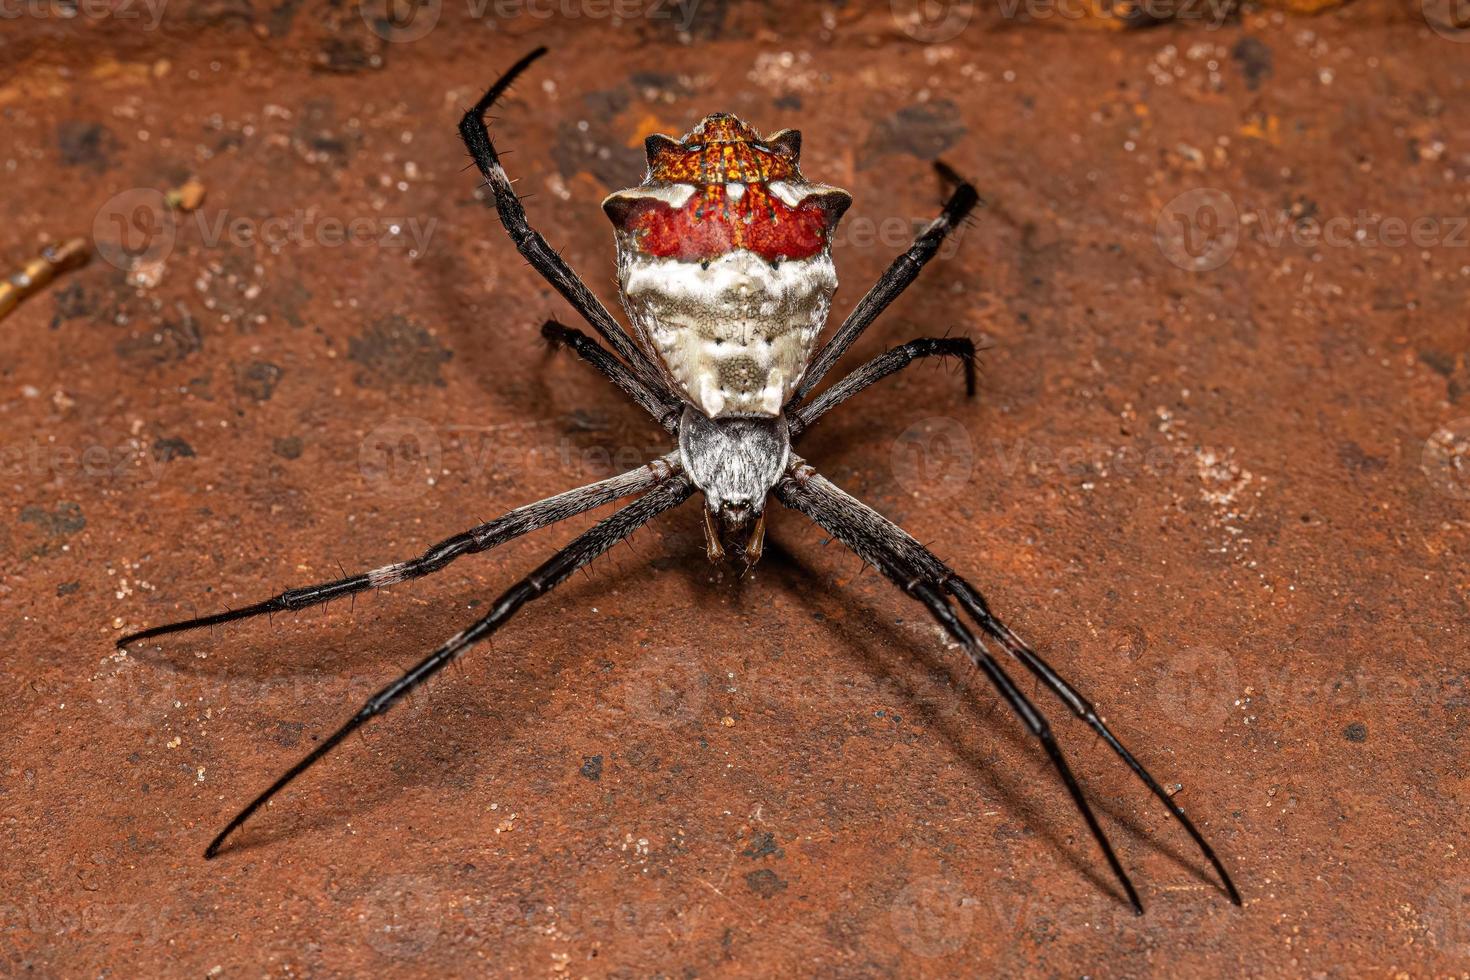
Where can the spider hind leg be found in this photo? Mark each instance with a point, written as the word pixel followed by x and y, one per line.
pixel 921 575
pixel 586 547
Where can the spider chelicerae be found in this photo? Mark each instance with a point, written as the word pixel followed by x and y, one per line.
pixel 725 270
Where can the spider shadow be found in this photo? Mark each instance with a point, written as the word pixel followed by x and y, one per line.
pixel 908 652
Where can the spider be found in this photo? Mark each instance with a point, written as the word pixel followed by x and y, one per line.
pixel 725 270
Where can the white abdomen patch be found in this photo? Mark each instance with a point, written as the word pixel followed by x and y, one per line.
pixel 734 333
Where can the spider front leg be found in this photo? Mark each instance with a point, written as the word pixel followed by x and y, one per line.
pixel 922 575
pixel 904 270
pixel 880 367
pixel 522 520
pixel 529 242
pixel 551 573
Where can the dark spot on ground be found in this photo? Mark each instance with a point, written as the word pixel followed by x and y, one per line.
pixel 652 84
pixel 257 380
pixel 763 845
pixel 394 351
pixel 71 302
pixel 209 13
pixel 599 149
pixel 289 297
pixel 317 131
pixel 764 883
pixel 279 20
pixel 86 144
pixel 1355 458
pixel 288 447
pixel 171 448
pixel 172 340
pixel 592 767
pixel 55 526
pixel 1356 732
pixel 65 520
pixel 1254 58
pixel 924 131
pixel 1438 362
pixel 67 588
pixel 790 102
pixel 288 734
pixel 349 55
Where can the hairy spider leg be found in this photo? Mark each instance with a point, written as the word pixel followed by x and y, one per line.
pixel 904 270
pixel 880 367
pixel 529 242
pixel 551 573
pixel 896 552
pixel 846 526
pixel 491 534
pixel 665 413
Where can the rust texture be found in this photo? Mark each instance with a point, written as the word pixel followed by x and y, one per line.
pixel 1218 472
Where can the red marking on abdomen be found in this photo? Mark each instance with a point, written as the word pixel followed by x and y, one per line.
pixel 710 225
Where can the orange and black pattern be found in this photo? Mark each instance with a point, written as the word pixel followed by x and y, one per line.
pixel 731 168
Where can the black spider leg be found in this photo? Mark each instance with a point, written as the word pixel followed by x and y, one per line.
pixel 880 367
pixel 883 533
pixel 666 413
pixel 522 520
pixel 851 523
pixel 972 602
pixel 528 241
pixel 551 573
pixel 904 270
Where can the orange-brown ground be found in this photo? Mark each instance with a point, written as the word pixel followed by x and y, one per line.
pixel 1225 491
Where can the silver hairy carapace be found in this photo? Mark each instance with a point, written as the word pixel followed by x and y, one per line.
pixel 714 282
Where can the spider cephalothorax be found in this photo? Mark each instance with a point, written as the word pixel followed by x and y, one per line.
pixel 725 269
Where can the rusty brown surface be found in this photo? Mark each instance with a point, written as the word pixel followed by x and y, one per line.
pixel 1223 490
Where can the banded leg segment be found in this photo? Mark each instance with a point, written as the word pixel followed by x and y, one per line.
pixel 904 270
pixel 522 520
pixel 582 551
pixel 529 242
pixel 880 367
pixel 891 549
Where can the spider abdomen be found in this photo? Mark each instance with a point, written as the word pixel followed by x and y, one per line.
pixel 734 333
pixel 724 264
